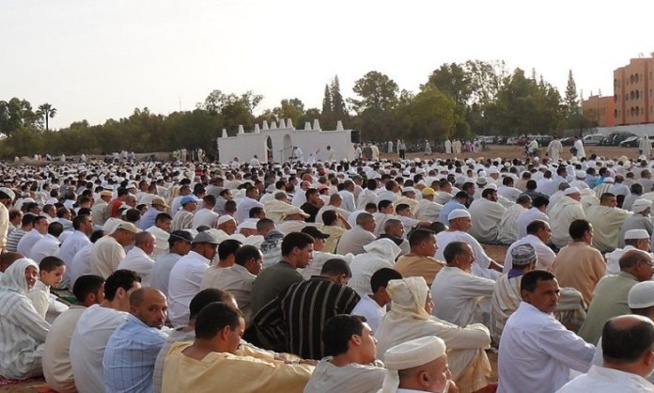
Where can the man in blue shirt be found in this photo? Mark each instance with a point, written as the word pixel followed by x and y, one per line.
pixel 458 202
pixel 132 350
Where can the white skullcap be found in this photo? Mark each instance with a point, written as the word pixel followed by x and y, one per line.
pixel 408 189
pixel 640 205
pixel 641 295
pixel 458 213
pixel 247 224
pixel 609 180
pixel 493 170
pixel 410 354
pixel 636 234
pixel 571 190
pixel 580 174
pixel 491 186
pixel 223 219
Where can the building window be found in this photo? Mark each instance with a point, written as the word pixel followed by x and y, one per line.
pixel 637 94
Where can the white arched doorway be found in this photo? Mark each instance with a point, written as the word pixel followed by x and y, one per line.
pixel 287 150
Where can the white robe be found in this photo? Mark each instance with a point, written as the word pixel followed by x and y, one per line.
pixel 545 350
pixel 408 320
pixel 554 150
pixel 579 145
pixel 427 210
pixel 486 217
pixel 645 146
pixel 461 298
pixel 607 223
pixel 508 228
pixel 561 216
pixel 607 380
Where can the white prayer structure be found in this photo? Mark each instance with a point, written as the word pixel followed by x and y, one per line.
pixel 277 144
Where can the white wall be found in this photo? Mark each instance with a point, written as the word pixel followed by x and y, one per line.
pixel 639 129
pixel 245 146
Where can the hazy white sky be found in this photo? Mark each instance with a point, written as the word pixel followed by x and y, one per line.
pixel 99 59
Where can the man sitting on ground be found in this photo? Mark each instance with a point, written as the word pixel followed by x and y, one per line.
pixel 58 372
pixel 210 360
pixel 628 358
pixel 133 348
pixel 351 350
pixel 373 307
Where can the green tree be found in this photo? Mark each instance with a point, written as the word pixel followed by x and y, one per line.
pixel 378 93
pixel 234 110
pixel 571 100
pixel 327 114
pixel 48 112
pixel 290 109
pixel 432 115
pixel 454 81
pixel 378 97
pixel 524 106
pixel 17 114
pixel 338 103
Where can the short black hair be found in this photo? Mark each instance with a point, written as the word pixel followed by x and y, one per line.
pixel 381 277
pixel 418 236
pixel 88 283
pixel 120 279
pixel 228 247
pixel 162 216
pixel 401 207
pixel 578 228
pixel 627 345
pixel 50 263
pixel 265 223
pixel 540 201
pixel 529 281
pixel 452 250
pixel 205 297
pixel 336 267
pixel 329 217
pixel 338 330
pixel 384 203
pixel 487 192
pixel 96 235
pixel 535 226
pixel 55 228
pixel 133 215
pixel 213 318
pixel 245 253
pixel 255 211
pixel 295 239
pixel 78 221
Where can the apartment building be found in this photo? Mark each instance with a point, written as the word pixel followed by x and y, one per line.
pixel 633 96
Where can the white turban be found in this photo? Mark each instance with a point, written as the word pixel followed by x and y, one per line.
pixel 410 354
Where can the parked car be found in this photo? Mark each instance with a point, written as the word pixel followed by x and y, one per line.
pixel 593 139
pixel 614 138
pixel 512 141
pixel 489 139
pixel 633 141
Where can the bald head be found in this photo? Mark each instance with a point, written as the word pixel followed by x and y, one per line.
pixel 627 344
pixel 150 306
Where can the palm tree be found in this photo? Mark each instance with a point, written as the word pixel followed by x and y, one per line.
pixel 47 111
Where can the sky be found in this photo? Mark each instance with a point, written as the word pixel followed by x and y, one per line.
pixel 100 59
